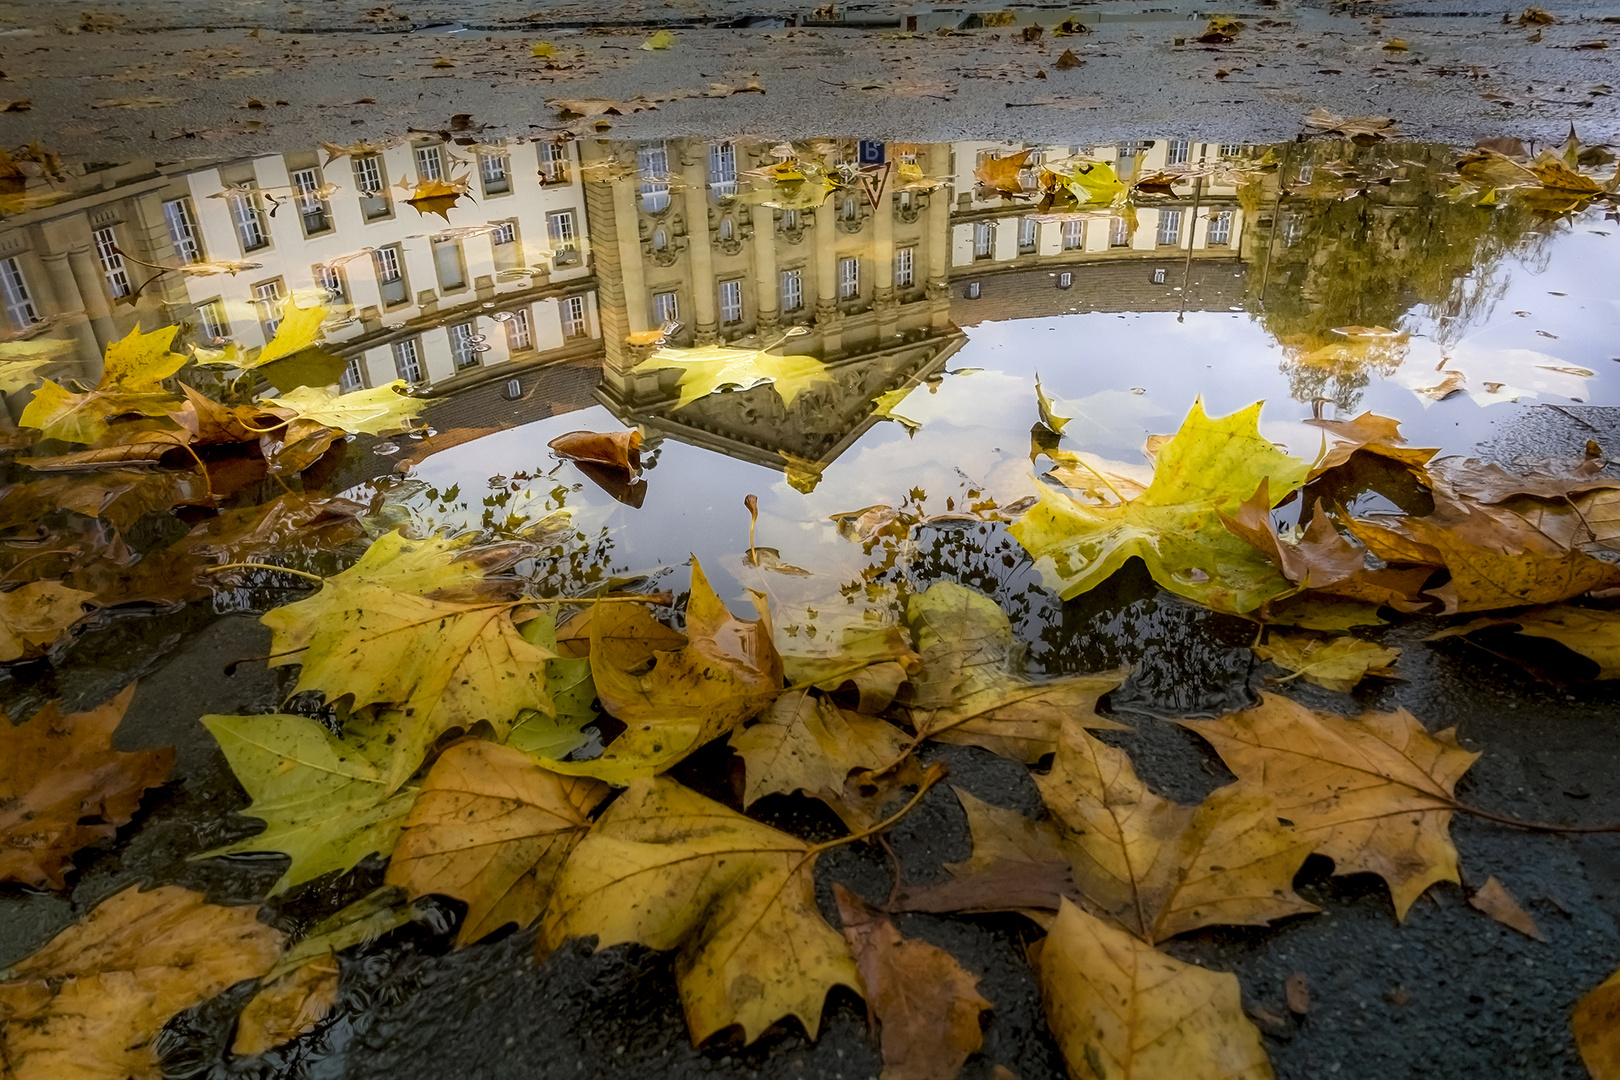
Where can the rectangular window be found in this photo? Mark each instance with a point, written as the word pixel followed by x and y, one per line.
pixel 1158 275
pixel 248 217
pixel 429 163
pixel 1074 234
pixel 494 170
pixel 182 225
pixel 1176 154
pixel 373 188
pixel 330 279
pixel 564 237
pixel 1169 226
pixel 1119 233
pixel 723 170
pixel 731 310
pixel 790 220
pixel 906 202
pixel 448 265
pixel 390 275
pixel 653 162
pixel 984 240
pixel 553 163
pixel 666 308
pixel 311 206
pixel 1220 227
pixel 517 331
pixel 1306 171
pixel 211 322
pixel 905 272
pixel 1293 227
pixel 792 290
pixel 1028 234
pixel 573 317
pixel 267 297
pixel 19 301
pixel 112 263
pixel 464 345
pixel 849 279
pixel 505 232
pixel 352 378
pixel 1231 149
pixel 408 360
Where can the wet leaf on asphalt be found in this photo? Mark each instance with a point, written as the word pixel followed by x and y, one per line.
pixel 1335 663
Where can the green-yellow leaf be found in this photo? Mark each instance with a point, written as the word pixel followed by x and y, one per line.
pixel 378 411
pixel 806 743
pixel 1207 468
pixel 323 800
pixel 1050 416
pixel 573 694
pixel 672 870
pixel 140 362
pixel 542 49
pixel 663 39
pixel 706 370
pixel 59 413
pixel 1336 663
pixel 300 328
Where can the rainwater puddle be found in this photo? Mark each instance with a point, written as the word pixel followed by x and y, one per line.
pixel 533 289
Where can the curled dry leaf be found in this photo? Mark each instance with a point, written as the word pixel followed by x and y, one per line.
pixel 805 743
pixel 89 1005
pixel 1335 663
pixel 1118 1008
pixel 491 828
pixel 1374 794
pixel 927 1006
pixel 620 450
pixel 64 787
pixel 670 869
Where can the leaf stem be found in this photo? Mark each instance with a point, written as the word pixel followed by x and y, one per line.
pixel 933 776
pixel 263 566
pixel 1532 826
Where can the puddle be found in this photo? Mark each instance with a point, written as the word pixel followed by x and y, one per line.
pixel 531 295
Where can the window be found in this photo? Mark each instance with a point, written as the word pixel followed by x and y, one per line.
pixel 905 260
pixel 723 170
pixel 792 290
pixel 408 360
pixel 182 224
pixel 1220 227
pixel 505 232
pixel 248 217
pixel 1177 152
pixel 14 290
pixel 429 163
pixel 1028 234
pixel 311 206
pixel 493 170
pixel 731 308
pixel 1065 279
pixel 1231 149
pixel 1125 162
pixel 1306 171
pixel 390 275
pixel 352 378
pixel 790 220
pixel 267 298
pixel 849 279
pixel 211 322
pixel 464 342
pixel 368 180
pixel 1074 234
pixel 517 331
pixel 573 317
pixel 330 279
pixel 906 201
pixel 1158 275
pixel 564 237
pixel 553 163
pixel 448 266
pixel 727 229
pixel 1292 228
pixel 984 240
pixel 112 263
pixel 850 211
pixel 660 239
pixel 666 308
pixel 1119 233
pixel 973 290
pixel 653 162
pixel 1169 226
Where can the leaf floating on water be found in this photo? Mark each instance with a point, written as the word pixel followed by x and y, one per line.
pixel 1359 129
pixel 619 450
pixel 1002 173
pixel 1335 663
pixel 381 410
pixel 287 1008
pixel 34 616
pixel 1179 1020
pixel 710 368
pixel 672 870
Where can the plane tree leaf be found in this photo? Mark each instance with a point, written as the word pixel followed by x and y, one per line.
pixel 90 1003
pixel 1017 863
pixel 1209 467
pixel 491 828
pixel 710 368
pixel 1118 1008
pixel 927 1005
pixel 64 787
pixel 35 615
pixel 299 329
pixel 1596 1026
pixel 380 410
pixel 1001 173
pixel 286 1008
pixel 727 672
pixel 1374 794
pixel 833 650
pixel 1592 632
pixel 140 362
pixel 573 698
pixel 59 413
pixel 1368 433
pixel 324 801
pixel 1335 663
pixel 672 870
pixel 806 743
pixel 969 689
pixel 1158 868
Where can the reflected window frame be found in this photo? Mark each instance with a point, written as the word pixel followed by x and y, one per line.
pixel 495 174
pixel 353 376
pixel 430 162
pixel 984 240
pixel 575 316
pixel 18 298
pixel 464 353
pixel 1219 232
pixel 247 219
pixel 666 307
pixel 562 228
pixel 730 297
pixel 519 332
pixel 388 264
pixel 371 184
pixel 408 358
pixel 270 298
pixel 849 279
pixel 791 290
pixel 652 164
pixel 556 164
pixel 180 217
pixel 314 213
pixel 905 267
pixel 1074 234
pixel 113 270
pixel 212 324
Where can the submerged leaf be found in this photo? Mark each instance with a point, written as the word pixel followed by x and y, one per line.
pixel 289 1006
pixel 34 616
pixel 708 369
pixel 1336 663
pixel 378 411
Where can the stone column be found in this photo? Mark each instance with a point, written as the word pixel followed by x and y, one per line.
pixel 87 274
pixel 939 241
pixel 826 227
pixel 70 306
pixel 883 250
pixel 696 198
pixel 767 299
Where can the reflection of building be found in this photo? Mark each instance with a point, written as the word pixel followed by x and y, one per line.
pixel 676 243
pixel 507 281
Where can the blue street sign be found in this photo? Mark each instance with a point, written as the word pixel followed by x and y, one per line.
pixel 871 153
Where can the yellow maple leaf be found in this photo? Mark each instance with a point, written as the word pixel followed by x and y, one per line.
pixel 377 411
pixel 140 361
pixel 710 368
